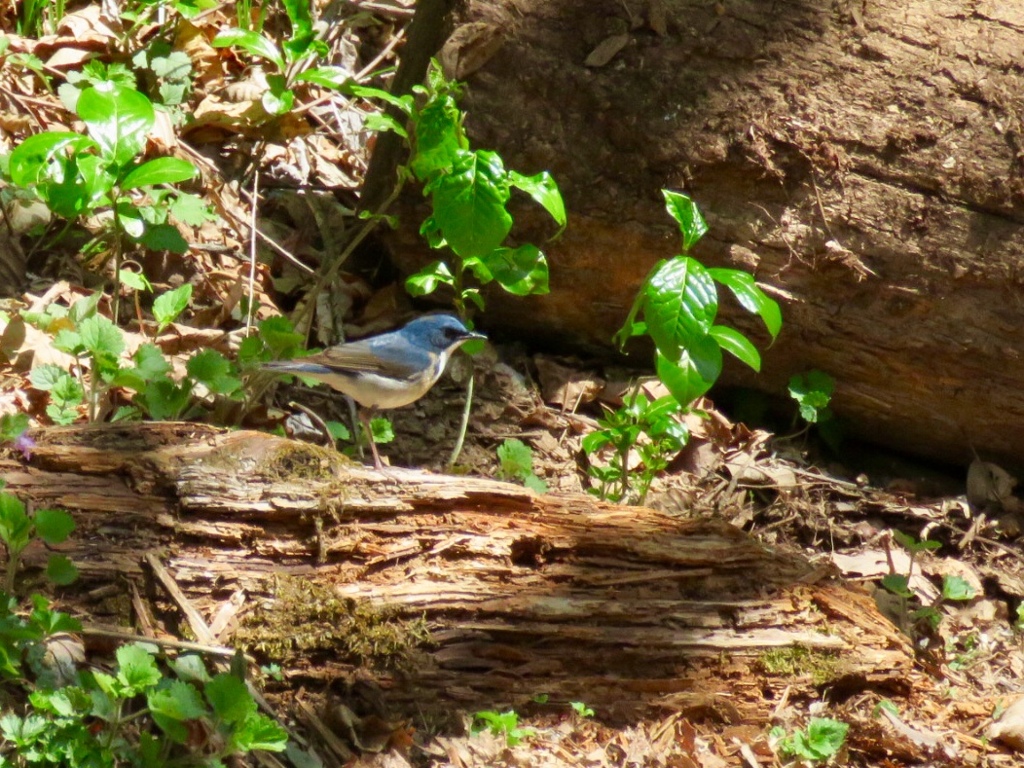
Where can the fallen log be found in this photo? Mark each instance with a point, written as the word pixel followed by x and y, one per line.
pixel 503 594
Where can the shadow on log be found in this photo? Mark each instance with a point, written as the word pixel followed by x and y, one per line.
pixel 629 609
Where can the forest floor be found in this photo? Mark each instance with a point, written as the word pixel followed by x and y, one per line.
pixel 960 602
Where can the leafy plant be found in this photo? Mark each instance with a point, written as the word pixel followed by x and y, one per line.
pixel 812 392
pixel 291 59
pixel 581 709
pixel 677 307
pixel 212 381
pixel 18 528
pixel 78 176
pixel 651 430
pixel 954 588
pixel 819 742
pixel 94 721
pixel 516 463
pixel 501 724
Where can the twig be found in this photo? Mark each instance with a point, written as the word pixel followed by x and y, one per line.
pixel 252 248
pixel 195 620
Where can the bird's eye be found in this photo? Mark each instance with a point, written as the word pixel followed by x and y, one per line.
pixel 452 333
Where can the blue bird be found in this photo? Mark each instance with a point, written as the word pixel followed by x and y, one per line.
pixel 386 371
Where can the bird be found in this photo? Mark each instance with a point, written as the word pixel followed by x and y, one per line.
pixel 388 370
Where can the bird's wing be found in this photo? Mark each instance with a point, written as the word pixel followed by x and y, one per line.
pixel 387 355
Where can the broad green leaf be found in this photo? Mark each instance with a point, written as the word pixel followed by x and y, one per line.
pixel 168 306
pixel 278 100
pixel 382 429
pixel 687 216
pixel 694 373
pixel 736 344
pixel 162 170
pixel 31 161
pixel 898 584
pixel 134 280
pixel 213 369
pixel 45 377
pixel 230 699
pixel 750 296
pixel 129 218
pixel 251 41
pixel 259 732
pixel 60 570
pixel 404 104
pixel 328 77
pixel 191 668
pixel 137 669
pixel 15 524
pixel 177 700
pixel 515 459
pixel 53 525
pixel 164 237
pixel 191 209
pixel 438 138
pixel 119 119
pixel 956 588
pixel 469 204
pixel 825 737
pixel 680 304
pixel 84 307
pixel 101 338
pixel 521 271
pixel 544 190
pixel 380 122
pixel 427 280
pixel 302 28
pixel 150 363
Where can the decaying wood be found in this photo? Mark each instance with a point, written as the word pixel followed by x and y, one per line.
pixel 863 158
pixel 523 594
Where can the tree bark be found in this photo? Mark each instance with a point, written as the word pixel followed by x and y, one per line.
pixel 863 158
pixel 522 594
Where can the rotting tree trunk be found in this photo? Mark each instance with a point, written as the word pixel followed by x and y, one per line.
pixel 863 158
pixel 523 594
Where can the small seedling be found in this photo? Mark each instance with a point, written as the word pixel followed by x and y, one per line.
pixel 812 392
pixel 581 709
pixel 501 724
pixel 516 463
pixel 818 743
pixel 18 528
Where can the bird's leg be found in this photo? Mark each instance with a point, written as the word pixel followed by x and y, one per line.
pixel 356 422
pixel 364 417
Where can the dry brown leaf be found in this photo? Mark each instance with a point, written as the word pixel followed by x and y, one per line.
pixel 469 48
pixel 606 50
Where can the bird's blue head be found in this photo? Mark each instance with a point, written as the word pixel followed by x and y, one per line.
pixel 438 333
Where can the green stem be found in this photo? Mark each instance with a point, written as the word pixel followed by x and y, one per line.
pixel 464 423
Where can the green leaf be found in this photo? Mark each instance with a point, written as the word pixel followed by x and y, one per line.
pixel 469 204
pixel 15 524
pixel 214 370
pixel 168 306
pixel 680 304
pixel 134 280
pixel 329 77
pixel 438 138
pixel 177 700
pixel 403 104
pixel 687 216
pixel 164 237
pixel 380 122
pixel 427 280
pixel 543 189
pixel 150 363
pixel 302 28
pixel 33 159
pixel 750 296
pixel 521 271
pixel 825 737
pixel 118 119
pixel 515 459
pixel 191 210
pixel 736 344
pixel 535 484
pixel 694 373
pixel 190 667
pixel 84 307
pixel 956 588
pixel 251 41
pixel 60 570
pixel 230 699
pixel 137 669
pixel 278 100
pixel 53 525
pixel 259 732
pixel 162 170
pixel 101 338
pixel 383 431
pixel 897 584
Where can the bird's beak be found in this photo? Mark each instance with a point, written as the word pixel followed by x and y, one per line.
pixel 471 335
